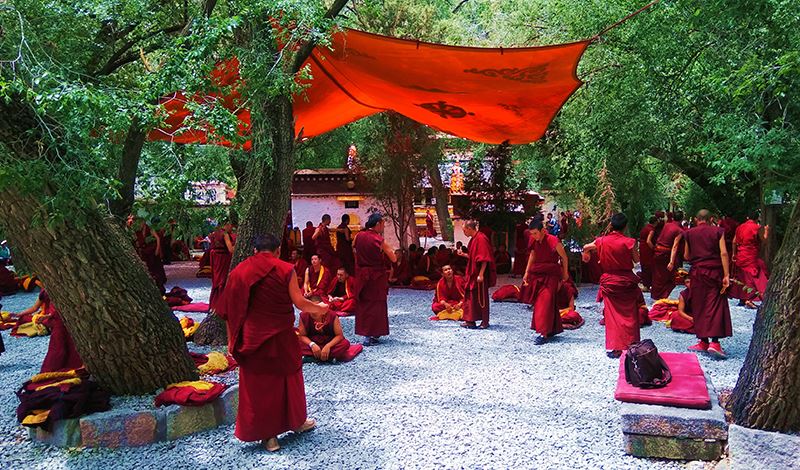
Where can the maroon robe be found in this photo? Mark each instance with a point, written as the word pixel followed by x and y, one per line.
pixel 712 316
pixel 61 352
pixel 646 256
pixel 309 246
pixel 319 282
pixel 521 250
pixel 663 278
pixel 677 321
pixel 567 291
pixel 543 281
pixel 346 290
pixel 146 247
pixel 8 282
pixel 344 249
pixel 619 289
pixel 220 265
pixel 300 267
pixel 749 269
pixel 402 271
pixel 592 270
pixel 451 294
pixel 325 250
pixel 261 337
pixel 729 224
pixel 476 294
pixel 503 261
pixel 323 333
pixel 372 281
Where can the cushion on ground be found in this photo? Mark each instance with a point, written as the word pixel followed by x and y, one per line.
pixel 687 389
pixel 196 307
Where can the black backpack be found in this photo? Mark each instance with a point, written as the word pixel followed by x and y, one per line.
pixel 644 367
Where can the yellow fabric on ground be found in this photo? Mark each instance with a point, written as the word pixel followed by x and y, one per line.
pixel 32 329
pixel 197 384
pixel 666 301
pixel 455 314
pixel 36 417
pixel 217 362
pixel 60 383
pixel 70 374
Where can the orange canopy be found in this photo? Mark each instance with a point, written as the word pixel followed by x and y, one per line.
pixel 485 95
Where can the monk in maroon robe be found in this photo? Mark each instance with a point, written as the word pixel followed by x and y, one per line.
pixel 449 296
pixel 710 278
pixel 619 286
pixel 317 279
pixel 8 282
pixel 729 225
pixel 682 320
pixel 665 258
pixel 372 280
pixel 341 294
pixel 221 252
pixel 344 245
pixel 322 338
pixel 443 255
pixel 480 274
pixel 567 293
pixel 309 247
pixel 148 246
pixel 520 250
pixel 430 230
pixel 750 271
pixel 502 259
pixel 547 269
pixel 400 271
pixel 300 266
pixel 646 253
pixel 257 305
pixel 322 241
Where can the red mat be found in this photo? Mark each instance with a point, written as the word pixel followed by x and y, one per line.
pixel 687 389
pixel 197 307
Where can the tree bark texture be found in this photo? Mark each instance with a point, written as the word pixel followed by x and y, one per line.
pixel 767 394
pixel 123 330
pixel 128 168
pixel 442 195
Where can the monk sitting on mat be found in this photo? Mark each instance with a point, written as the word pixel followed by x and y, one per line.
pixel 317 278
pixel 448 301
pixel 322 338
pixel 341 296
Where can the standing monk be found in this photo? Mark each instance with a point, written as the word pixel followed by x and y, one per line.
pixel 542 278
pixel 665 257
pixel 148 245
pixel 749 268
pixel 646 253
pixel 706 251
pixel 322 241
pixel 309 247
pixel 480 274
pixel 619 286
pixel 344 245
pixel 220 256
pixel 372 280
pixel 257 305
pixel 520 250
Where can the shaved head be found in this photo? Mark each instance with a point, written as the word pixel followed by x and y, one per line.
pixel 472 224
pixel 703 215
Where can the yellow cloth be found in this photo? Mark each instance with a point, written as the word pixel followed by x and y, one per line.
pixel 420 279
pixel 5 316
pixel 217 362
pixel 454 314
pixel 60 383
pixel 197 384
pixel 36 417
pixel 70 374
pixel 189 330
pixel 666 301
pixel 32 329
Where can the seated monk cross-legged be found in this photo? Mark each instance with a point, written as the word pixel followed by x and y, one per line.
pixel 317 278
pixel 448 301
pixel 341 294
pixel 322 338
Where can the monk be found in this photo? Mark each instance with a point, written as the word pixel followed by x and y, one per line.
pixel 749 269
pixel 257 306
pixel 646 253
pixel 222 240
pixel 665 257
pixel 443 255
pixel 322 242
pixel 341 294
pixel 430 230
pixel 344 245
pixel 400 272
pixel 372 279
pixel 547 268
pixel 317 278
pixel 729 224
pixel 710 278
pixel 619 286
pixel 520 250
pixel 682 320
pixel 448 301
pixel 502 259
pixel 567 293
pixel 460 257
pixel 322 338
pixel 8 282
pixel 480 274
pixel 148 246
pixel 300 266
pixel 309 247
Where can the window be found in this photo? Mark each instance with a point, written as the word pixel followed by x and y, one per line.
pixel 351 204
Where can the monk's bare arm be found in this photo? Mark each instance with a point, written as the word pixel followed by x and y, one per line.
pixel 302 303
pixel 682 306
pixel 482 271
pixel 228 242
pixel 674 253
pixel 587 250
pixel 337 330
pixel 307 282
pixel 564 261
pixel 389 252
pixel 531 260
pixel 635 252
pixel 726 270
pixel 158 243
pixel 32 309
pixel 650 241
pixel 317 232
pixel 765 233
pixel 686 250
pixel 302 334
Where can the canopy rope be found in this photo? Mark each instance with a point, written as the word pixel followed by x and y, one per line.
pixel 623 20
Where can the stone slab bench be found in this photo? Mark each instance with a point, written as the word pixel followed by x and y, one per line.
pixel 129 428
pixel 669 432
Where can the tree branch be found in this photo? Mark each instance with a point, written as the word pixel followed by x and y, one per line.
pixel 305 50
pixel 117 60
pixel 458 7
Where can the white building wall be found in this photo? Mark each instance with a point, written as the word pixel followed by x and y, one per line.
pixel 305 208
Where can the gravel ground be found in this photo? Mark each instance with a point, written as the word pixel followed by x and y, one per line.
pixel 432 396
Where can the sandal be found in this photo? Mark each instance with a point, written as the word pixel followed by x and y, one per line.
pixel 307 426
pixel 272 445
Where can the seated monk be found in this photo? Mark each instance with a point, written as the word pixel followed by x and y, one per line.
pixel 682 319
pixel 426 273
pixel 341 296
pixel 300 266
pixel 399 272
pixel 507 293
pixel 443 255
pixel 448 300
pixel 317 279
pixel 321 337
pixel 565 302
pixel 503 259
pixel 9 284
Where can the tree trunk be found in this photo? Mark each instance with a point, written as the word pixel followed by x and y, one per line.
pixel 123 330
pixel 442 195
pixel 128 168
pixel 767 394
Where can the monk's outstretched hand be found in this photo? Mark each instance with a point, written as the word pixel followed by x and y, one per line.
pixel 726 282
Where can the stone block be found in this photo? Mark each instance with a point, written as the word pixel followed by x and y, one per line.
pixel 752 448
pixel 65 433
pixel 674 448
pixel 227 405
pixel 185 420
pixel 670 421
pixel 119 428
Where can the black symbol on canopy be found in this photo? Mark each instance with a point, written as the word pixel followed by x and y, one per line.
pixel 442 109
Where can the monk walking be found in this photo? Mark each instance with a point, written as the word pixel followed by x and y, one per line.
pixel 480 274
pixel 547 268
pixel 749 269
pixel 707 252
pixel 257 305
pixel 322 241
pixel 619 286
pixel 221 253
pixel 372 280
pixel 665 258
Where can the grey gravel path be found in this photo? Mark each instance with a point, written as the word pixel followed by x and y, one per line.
pixel 432 396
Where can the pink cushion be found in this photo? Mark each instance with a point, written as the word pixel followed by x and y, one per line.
pixel 687 389
pixel 198 307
